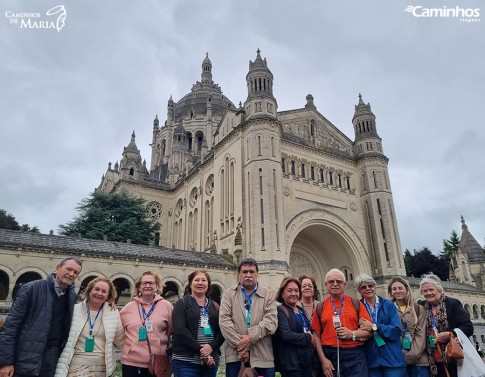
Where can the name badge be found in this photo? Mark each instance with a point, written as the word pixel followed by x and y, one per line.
pixel 336 321
pixel 207 331
pixel 149 326
pixel 142 333
pixel 204 321
pixel 89 345
pixel 432 339
pixel 380 342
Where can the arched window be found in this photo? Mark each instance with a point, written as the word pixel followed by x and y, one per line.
pixel 283 167
pixel 322 175
pixel 132 171
pixel 292 165
pixel 303 170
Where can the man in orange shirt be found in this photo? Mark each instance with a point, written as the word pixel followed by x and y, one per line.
pixel 340 341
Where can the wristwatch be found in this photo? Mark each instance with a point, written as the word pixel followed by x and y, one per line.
pixel 374 327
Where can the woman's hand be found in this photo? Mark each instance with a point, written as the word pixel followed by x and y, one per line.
pixel 443 337
pixel 327 368
pixel 206 350
pixel 364 324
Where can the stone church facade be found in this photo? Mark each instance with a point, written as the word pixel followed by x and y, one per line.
pixel 227 182
pixel 287 188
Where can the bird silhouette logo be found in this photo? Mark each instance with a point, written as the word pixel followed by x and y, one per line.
pixel 410 9
pixel 61 18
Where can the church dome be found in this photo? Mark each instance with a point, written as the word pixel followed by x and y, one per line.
pixel 204 93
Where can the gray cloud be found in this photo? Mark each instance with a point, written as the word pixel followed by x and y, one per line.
pixel 69 100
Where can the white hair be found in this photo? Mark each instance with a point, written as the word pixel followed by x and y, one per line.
pixel 431 279
pixel 334 271
pixel 363 278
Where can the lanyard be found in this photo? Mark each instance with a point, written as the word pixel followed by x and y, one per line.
pixel 145 314
pixel 249 297
pixel 432 319
pixel 372 310
pixel 91 324
pixel 302 319
pixel 248 303
pixel 204 308
pixel 340 308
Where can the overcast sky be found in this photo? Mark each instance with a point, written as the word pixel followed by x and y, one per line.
pixel 70 99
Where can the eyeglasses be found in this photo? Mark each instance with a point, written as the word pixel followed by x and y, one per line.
pixel 247 304
pixel 364 287
pixel 148 283
pixel 332 282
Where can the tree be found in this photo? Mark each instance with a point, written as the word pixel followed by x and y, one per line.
pixel 118 216
pixel 407 259
pixel 7 221
pixel 424 261
pixel 450 246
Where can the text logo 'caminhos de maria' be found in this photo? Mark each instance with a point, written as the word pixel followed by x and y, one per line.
pixel 54 18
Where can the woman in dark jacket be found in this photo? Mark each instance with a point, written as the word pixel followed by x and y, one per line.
pixel 444 314
pixel 197 337
pixel 292 342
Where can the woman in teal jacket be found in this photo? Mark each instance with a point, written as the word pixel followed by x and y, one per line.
pixel 383 350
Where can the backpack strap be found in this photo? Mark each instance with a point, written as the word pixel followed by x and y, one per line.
pixel 319 313
pixel 356 305
pixel 285 310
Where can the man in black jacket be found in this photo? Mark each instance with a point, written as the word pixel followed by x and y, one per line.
pixel 38 323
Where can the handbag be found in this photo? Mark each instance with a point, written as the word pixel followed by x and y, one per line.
pixel 159 365
pixel 454 349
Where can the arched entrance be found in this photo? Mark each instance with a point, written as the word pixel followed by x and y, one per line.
pixel 171 291
pixel 123 291
pixel 320 241
pixel 24 279
pixel 4 284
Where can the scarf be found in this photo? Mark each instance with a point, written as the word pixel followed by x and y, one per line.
pixel 441 325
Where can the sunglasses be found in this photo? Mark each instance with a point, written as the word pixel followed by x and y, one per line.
pixel 364 287
pixel 247 304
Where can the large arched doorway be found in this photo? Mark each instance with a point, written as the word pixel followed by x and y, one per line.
pixel 320 241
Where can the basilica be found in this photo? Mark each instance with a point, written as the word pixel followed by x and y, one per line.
pixel 287 188
pixel 225 182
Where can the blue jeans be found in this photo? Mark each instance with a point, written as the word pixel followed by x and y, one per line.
pixel 417 371
pixel 185 369
pixel 386 372
pixel 232 370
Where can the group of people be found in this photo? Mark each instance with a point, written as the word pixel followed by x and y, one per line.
pixel 46 334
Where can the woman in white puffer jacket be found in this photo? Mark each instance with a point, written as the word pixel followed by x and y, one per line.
pixel 96 328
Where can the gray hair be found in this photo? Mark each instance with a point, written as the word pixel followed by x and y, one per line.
pixel 337 271
pixel 431 279
pixel 363 278
pixel 74 259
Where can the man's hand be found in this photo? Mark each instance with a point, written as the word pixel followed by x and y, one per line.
pixel 327 368
pixel 343 333
pixel 244 344
pixel 6 371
